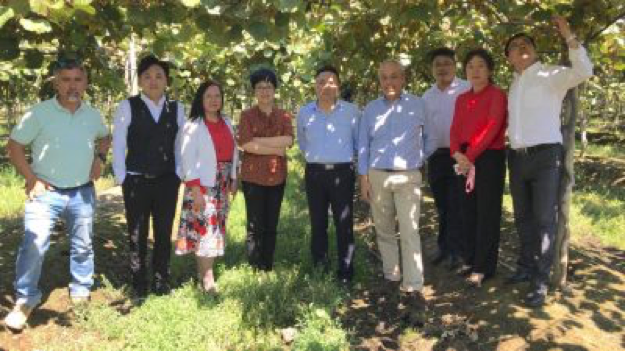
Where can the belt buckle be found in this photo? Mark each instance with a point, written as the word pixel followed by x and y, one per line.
pixel 149 176
pixel 328 167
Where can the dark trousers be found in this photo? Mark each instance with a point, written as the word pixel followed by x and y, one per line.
pixel 145 197
pixel 331 189
pixel 262 204
pixel 481 212
pixel 444 184
pixel 534 184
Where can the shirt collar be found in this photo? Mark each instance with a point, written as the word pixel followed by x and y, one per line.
pixel 57 105
pixel 337 106
pixel 401 97
pixel 260 113
pixel 532 68
pixel 147 100
pixel 454 84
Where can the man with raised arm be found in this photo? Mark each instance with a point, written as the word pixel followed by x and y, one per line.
pixel 535 161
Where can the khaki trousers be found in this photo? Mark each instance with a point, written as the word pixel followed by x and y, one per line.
pixel 396 197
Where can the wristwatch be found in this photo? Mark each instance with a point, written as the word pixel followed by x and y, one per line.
pixel 102 156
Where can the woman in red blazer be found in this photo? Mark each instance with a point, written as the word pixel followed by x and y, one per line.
pixel 477 144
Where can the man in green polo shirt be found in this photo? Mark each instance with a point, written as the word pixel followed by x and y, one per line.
pixel 68 141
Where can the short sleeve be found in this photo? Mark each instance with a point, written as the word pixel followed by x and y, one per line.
pixel 287 124
pixel 244 132
pixel 27 129
pixel 102 131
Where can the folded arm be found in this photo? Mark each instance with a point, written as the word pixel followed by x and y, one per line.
pixel 274 142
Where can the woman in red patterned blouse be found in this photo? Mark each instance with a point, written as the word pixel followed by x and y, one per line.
pixel 477 144
pixel 209 159
pixel 264 134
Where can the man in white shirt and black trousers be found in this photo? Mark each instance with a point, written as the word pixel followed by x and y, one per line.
pixel 440 102
pixel 146 162
pixel 535 160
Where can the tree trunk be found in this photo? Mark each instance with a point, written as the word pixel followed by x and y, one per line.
pixel 583 125
pixel 131 68
pixel 561 259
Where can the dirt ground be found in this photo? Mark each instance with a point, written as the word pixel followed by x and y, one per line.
pixel 590 315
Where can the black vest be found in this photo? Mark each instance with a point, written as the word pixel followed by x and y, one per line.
pixel 151 145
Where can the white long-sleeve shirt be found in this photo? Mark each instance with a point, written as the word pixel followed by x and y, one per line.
pixel 535 99
pixel 440 106
pixel 121 122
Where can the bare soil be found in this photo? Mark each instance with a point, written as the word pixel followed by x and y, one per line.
pixel 589 315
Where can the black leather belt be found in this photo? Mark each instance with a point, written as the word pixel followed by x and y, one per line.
pixel 390 170
pixel 330 166
pixel 148 175
pixel 536 148
pixel 86 185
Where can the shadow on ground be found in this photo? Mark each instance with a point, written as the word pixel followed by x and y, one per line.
pixel 588 316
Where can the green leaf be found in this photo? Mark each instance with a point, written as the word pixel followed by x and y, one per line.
pixel 258 30
pixel 190 3
pixel 235 34
pixel 9 48
pixel 6 13
pixel 542 15
pixel 84 6
pixel 282 19
pixel 37 26
pixel 289 5
pixel 20 7
pixel 214 7
pixel 33 58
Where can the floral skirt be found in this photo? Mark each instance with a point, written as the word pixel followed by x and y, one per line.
pixel 204 233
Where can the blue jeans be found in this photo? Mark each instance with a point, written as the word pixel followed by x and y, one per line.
pixel 77 207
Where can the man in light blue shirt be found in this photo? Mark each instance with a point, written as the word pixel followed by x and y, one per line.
pixel 65 134
pixel 391 144
pixel 327 133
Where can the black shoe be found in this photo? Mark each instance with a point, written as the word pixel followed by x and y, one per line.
pixel 465 271
pixel 535 299
pixel 322 266
pixel 454 263
pixel 517 277
pixel 161 289
pixel 439 258
pixel 139 291
pixel 345 283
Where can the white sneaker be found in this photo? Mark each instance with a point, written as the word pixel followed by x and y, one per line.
pixel 16 319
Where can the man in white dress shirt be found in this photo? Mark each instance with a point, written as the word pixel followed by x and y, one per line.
pixel 440 101
pixel 146 162
pixel 534 104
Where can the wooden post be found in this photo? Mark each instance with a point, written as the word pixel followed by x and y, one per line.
pixel 561 259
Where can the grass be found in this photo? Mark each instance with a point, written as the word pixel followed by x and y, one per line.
pixel 251 310
pixel 12 190
pixel 603 150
